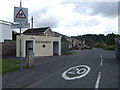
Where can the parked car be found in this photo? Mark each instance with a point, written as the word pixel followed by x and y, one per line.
pixel 117 50
pixel 87 47
pixel 77 47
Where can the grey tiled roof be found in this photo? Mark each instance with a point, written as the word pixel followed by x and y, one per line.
pixel 57 34
pixel 36 31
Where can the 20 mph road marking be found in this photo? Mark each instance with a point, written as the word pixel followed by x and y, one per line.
pixel 76 72
pixel 98 81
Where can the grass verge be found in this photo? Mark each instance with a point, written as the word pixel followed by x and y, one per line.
pixel 70 53
pixel 10 65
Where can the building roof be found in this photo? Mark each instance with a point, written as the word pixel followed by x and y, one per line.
pixel 57 34
pixel 5 22
pixel 36 30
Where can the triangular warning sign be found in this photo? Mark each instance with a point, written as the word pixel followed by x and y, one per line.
pixel 20 14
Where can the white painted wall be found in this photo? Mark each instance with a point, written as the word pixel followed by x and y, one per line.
pixel 38 49
pixel 5 32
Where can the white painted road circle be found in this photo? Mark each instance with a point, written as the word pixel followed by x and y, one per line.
pixel 76 72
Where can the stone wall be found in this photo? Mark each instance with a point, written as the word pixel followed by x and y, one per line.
pixel 8 48
pixel 64 48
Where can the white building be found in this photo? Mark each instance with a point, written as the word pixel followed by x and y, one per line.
pixel 5 31
pixel 40 41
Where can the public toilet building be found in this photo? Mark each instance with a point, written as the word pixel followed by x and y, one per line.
pixel 40 41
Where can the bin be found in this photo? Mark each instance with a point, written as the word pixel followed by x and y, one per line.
pixel 30 60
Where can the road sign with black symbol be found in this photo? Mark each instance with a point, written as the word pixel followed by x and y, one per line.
pixel 21 15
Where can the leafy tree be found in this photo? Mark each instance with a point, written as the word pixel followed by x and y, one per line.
pixel 14 34
pixel 100 40
pixel 110 39
pixel 63 39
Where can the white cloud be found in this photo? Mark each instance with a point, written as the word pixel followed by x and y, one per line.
pixel 67 18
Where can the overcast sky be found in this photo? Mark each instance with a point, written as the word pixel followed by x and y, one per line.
pixel 66 16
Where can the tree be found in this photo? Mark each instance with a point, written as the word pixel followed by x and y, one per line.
pixel 100 39
pixel 14 34
pixel 63 39
pixel 110 39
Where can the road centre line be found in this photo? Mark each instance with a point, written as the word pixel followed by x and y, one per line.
pixel 101 62
pixel 99 74
pixel 98 81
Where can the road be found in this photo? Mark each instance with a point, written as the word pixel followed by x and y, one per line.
pixel 101 70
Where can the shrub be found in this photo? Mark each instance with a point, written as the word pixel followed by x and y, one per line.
pixel 111 47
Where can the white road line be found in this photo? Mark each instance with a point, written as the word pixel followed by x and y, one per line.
pixel 99 75
pixel 101 62
pixel 98 81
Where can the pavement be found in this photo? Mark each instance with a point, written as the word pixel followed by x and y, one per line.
pixel 103 71
pixel 19 79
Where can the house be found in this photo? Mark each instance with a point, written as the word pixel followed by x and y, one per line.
pixel 45 31
pixel 40 41
pixel 73 42
pixel 7 45
pixel 5 31
pixel 57 34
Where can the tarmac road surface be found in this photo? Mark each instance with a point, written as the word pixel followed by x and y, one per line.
pixel 92 68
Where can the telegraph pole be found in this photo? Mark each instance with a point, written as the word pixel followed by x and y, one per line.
pixel 20 41
pixel 32 24
pixel 119 17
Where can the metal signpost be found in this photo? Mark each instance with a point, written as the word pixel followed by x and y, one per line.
pixel 15 26
pixel 21 16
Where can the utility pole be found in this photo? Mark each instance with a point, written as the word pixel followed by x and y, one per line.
pixel 119 17
pixel 20 41
pixel 32 24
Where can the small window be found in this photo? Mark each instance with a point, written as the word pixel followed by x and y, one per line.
pixel 43 46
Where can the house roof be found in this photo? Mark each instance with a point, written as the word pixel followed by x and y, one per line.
pixel 36 30
pixel 5 22
pixel 57 34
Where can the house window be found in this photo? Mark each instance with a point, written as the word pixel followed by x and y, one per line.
pixel 43 46
pixel 46 34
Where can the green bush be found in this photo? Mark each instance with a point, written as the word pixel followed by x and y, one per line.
pixel 111 47
pixel 82 48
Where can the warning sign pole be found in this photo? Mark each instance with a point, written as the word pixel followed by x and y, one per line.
pixel 20 42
